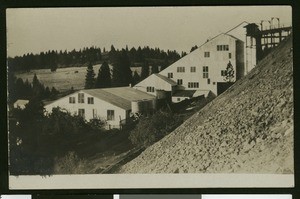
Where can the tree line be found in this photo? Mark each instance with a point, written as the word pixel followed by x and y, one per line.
pixel 54 59
pixel 19 89
pixel 120 74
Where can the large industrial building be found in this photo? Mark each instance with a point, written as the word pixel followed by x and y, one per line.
pixel 203 70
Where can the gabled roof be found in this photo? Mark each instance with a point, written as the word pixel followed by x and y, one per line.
pixel 164 78
pixel 184 93
pixel 119 96
pixel 21 102
pixel 220 35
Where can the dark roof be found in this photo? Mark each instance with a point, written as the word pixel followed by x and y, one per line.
pixel 119 96
pixel 184 93
pixel 168 80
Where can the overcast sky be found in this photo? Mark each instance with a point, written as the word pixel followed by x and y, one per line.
pixel 175 28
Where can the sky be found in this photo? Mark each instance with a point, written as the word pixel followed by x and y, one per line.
pixel 33 30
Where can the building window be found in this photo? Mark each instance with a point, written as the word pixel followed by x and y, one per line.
pixel 193 84
pixel 193 69
pixel 205 71
pixel 223 72
pixel 90 100
pixel 150 89
pixel 229 55
pixel 72 100
pixel 110 115
pixel 178 99
pixel 81 112
pixel 206 54
pixel 179 81
pixel 170 75
pixel 208 81
pixel 180 69
pixel 80 97
pixel 222 47
pixel 95 113
pixel 214 83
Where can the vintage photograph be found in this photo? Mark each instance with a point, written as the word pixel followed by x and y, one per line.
pixel 150 90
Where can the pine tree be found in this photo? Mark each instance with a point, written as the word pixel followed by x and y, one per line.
pixel 36 87
pixel 104 77
pixel 154 69
pixel 193 48
pixel 90 77
pixel 145 70
pixel 136 78
pixel 122 74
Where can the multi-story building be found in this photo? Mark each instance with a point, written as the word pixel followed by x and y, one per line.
pixel 204 69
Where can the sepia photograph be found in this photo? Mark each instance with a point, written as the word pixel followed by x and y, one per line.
pixel 150 97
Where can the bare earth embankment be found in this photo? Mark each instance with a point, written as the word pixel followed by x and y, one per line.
pixel 247 129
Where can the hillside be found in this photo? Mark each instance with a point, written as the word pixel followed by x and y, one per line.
pixel 247 129
pixel 63 79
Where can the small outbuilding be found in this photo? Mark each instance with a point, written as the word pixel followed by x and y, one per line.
pixel 21 104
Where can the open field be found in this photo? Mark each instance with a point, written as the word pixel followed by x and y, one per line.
pixel 63 79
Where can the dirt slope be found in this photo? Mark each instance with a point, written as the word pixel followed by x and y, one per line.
pixel 247 129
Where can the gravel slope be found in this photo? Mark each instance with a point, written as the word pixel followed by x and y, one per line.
pixel 247 129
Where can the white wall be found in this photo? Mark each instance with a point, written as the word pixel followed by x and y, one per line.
pixel 100 106
pixel 217 61
pixel 176 99
pixel 155 82
pixel 249 53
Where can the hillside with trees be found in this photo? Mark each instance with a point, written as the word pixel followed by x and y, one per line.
pixel 54 59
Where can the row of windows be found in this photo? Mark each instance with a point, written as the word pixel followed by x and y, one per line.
pixel 81 99
pixel 180 69
pixel 196 84
pixel 193 84
pixel 110 114
pixel 206 54
pixel 170 75
pixel 223 72
pixel 179 81
pixel 193 69
pixel 150 89
pixel 219 48
pixel 222 47
pixel 205 71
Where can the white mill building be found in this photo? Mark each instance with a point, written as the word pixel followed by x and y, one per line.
pixel 113 105
pixel 202 70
